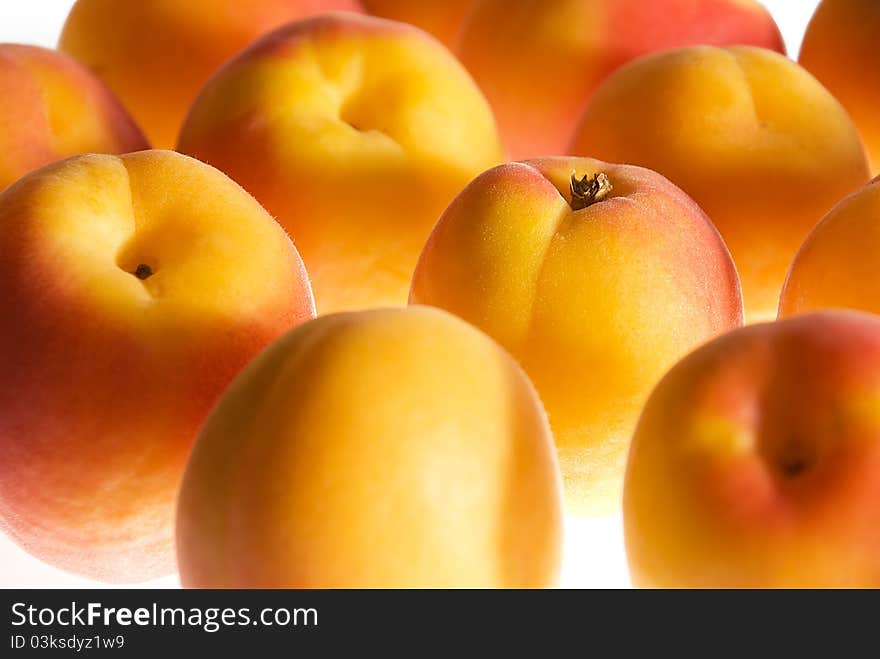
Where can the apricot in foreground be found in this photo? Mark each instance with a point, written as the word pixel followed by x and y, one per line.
pixel 756 462
pixel 597 278
pixel 134 288
pixel 389 448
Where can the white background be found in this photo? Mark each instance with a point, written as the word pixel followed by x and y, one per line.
pixel 593 549
pixel 39 21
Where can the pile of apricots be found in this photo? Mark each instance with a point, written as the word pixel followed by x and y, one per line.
pixel 419 280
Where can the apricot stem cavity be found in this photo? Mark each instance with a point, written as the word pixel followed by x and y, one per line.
pixel 589 190
pixel 143 271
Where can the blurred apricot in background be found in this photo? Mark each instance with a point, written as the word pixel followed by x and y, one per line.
pixel 755 139
pixel 157 54
pixel 840 48
pixel 355 132
pixel 54 108
pixel 539 61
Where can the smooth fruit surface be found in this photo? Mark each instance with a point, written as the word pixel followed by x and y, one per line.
pixel 157 54
pixel 756 141
pixel 539 61
pixel 54 108
pixel 757 461
pixel 838 267
pixel 134 288
pixel 355 133
pixel 840 49
pixel 595 303
pixel 389 448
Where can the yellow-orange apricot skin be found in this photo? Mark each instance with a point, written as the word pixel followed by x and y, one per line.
pixel 838 266
pixel 355 132
pixel 755 140
pixel 134 288
pixel 442 18
pixel 157 54
pixel 840 49
pixel 374 449
pixel 538 62
pixel 54 108
pixel 756 462
pixel 596 304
